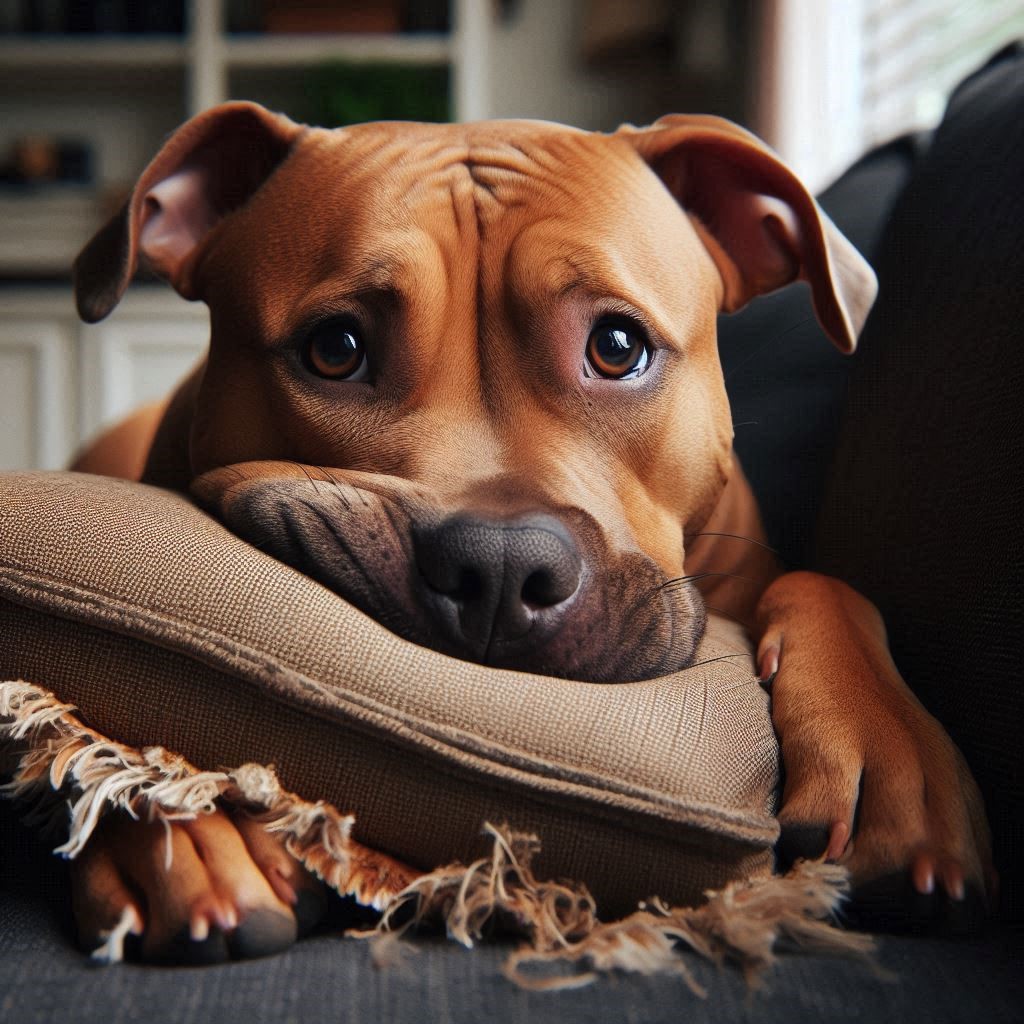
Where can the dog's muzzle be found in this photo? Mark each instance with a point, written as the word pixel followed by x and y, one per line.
pixel 533 591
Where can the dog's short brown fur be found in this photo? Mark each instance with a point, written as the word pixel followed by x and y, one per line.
pixel 478 482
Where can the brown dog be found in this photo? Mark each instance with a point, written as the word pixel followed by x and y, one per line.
pixel 467 376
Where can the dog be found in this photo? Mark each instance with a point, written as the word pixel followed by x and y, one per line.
pixel 467 377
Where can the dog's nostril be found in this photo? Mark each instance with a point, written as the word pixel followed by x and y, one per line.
pixel 539 590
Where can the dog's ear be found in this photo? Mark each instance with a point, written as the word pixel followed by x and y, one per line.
pixel 209 167
pixel 758 222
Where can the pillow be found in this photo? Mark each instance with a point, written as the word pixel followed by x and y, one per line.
pixel 164 628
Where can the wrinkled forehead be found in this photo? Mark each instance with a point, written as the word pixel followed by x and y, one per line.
pixel 398 200
pixel 495 178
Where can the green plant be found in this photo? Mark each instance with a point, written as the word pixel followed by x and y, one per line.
pixel 342 93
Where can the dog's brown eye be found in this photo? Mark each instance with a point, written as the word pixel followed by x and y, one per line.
pixel 618 351
pixel 336 351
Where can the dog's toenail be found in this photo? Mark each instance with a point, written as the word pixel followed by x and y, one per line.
pixel 182 949
pixel 262 933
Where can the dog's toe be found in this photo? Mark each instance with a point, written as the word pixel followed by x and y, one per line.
pixel 192 889
pixel 292 883
pixel 101 901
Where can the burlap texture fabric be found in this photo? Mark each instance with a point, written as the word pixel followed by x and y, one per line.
pixel 163 628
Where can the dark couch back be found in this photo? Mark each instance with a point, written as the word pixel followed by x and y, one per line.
pixel 925 507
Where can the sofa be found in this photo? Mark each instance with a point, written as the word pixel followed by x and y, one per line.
pixel 899 470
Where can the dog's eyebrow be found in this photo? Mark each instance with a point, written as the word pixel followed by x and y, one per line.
pixel 377 274
pixel 571 275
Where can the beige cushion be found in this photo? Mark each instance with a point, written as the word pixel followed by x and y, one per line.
pixel 166 629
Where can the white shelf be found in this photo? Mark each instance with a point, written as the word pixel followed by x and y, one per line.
pixel 242 52
pixel 285 51
pixel 102 53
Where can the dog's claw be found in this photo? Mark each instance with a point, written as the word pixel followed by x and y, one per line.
pixel 184 948
pixel 838 840
pixel 768 664
pixel 923 875
pixel 894 903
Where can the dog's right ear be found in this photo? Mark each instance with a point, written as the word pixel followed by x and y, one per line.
pixel 209 167
pixel 758 222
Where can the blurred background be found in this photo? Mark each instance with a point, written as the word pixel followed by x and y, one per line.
pixel 88 91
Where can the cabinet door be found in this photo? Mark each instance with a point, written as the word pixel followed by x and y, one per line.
pixel 131 360
pixel 36 397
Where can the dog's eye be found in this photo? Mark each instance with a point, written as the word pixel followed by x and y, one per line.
pixel 335 351
pixel 617 350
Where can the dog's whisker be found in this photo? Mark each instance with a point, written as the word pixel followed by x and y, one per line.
pixel 735 536
pixel 403 537
pixel 306 473
pixel 683 581
pixel 339 537
pixel 339 486
pixel 720 657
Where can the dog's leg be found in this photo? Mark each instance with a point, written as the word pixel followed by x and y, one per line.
pixel 198 891
pixel 122 450
pixel 870 776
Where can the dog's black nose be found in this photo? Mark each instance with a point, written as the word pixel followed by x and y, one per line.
pixel 493 582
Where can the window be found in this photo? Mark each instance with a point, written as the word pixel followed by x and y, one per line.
pixel 838 77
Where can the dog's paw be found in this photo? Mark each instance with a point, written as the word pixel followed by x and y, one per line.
pixel 892 799
pixel 872 780
pixel 192 892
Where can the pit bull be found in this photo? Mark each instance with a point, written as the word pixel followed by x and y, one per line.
pixel 467 377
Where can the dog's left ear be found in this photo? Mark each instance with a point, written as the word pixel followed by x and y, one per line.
pixel 209 167
pixel 758 222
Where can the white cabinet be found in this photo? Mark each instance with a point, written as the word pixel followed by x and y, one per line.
pixel 134 358
pixel 37 398
pixel 61 381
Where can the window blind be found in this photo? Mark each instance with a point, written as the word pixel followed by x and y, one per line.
pixel 915 51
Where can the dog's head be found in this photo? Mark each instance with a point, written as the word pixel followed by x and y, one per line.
pixel 467 375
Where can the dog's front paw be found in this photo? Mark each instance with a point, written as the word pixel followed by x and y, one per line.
pixel 192 892
pixel 871 778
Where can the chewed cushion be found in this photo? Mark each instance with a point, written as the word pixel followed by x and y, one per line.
pixel 164 628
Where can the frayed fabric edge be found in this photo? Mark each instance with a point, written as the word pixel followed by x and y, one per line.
pixel 567 946
pixel 73 775
pixel 72 772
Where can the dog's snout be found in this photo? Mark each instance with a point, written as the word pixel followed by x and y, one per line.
pixel 490 581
